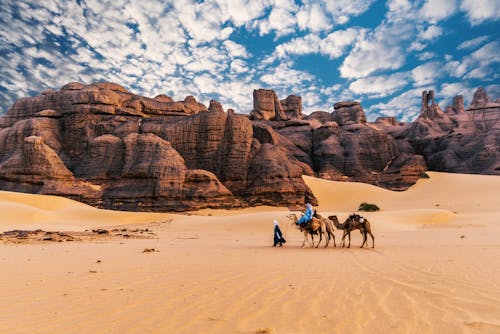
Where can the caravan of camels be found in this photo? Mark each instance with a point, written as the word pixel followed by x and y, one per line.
pixel 319 225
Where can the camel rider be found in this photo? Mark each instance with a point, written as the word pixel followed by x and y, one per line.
pixel 307 216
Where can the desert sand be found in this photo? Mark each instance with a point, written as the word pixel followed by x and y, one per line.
pixel 435 267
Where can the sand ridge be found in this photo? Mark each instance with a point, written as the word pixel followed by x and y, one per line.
pixel 435 268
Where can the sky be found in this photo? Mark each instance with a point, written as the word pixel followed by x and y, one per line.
pixel 381 53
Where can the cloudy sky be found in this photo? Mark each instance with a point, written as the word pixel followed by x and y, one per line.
pixel 382 53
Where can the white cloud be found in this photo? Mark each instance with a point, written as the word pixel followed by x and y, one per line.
pixel 493 91
pixel 384 47
pixel 473 43
pixel 312 17
pixel 235 49
pixel 238 67
pixel 478 11
pixel 281 20
pixel 426 74
pixel 372 55
pixel 431 33
pixel 283 75
pixel 448 91
pixel 436 10
pixel 405 106
pixel 333 45
pixel 426 56
pixel 343 10
pixel 480 64
pixel 241 12
pixel 299 46
pixel 380 86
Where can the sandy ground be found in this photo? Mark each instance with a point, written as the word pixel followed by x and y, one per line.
pixel 435 267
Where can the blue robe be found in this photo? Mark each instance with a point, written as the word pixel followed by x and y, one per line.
pixel 278 236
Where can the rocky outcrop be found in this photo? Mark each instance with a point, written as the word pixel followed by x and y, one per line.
pixel 293 106
pixel 267 106
pixel 356 152
pixel 107 147
pixel 460 141
pixel 432 111
pixel 347 113
pixel 458 104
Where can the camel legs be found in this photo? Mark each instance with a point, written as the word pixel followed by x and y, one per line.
pixel 327 241
pixel 343 239
pixel 373 240
pixel 305 238
pixel 330 236
pixel 365 239
pixel 363 233
pixel 320 238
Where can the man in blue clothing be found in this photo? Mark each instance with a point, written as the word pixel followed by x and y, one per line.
pixel 307 216
pixel 278 235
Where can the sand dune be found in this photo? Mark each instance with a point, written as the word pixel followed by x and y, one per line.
pixel 28 211
pixel 435 267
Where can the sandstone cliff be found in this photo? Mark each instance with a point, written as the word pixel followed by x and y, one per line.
pixel 105 146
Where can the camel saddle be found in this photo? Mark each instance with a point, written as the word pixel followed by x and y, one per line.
pixel 313 225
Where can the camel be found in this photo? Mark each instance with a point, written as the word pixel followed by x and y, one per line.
pixel 353 222
pixel 329 230
pixel 316 226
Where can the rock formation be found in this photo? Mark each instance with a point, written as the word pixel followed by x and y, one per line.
pixel 460 141
pixel 293 106
pixel 346 113
pixel 267 106
pixel 430 111
pixel 107 147
pixel 102 145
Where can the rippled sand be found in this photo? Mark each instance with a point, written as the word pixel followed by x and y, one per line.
pixel 435 267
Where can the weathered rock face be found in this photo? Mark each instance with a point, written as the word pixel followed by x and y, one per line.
pixel 458 104
pixel 102 145
pixel 430 112
pixel 355 152
pixel 460 141
pixel 293 107
pixel 480 99
pixel 346 113
pixel 105 146
pixel 267 106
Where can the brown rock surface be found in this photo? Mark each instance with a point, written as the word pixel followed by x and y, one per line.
pixel 110 148
pixel 462 141
pixel 346 113
pixel 105 146
pixel 292 106
pixel 215 106
pixel 267 106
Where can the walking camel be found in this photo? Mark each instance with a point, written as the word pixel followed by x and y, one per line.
pixel 353 222
pixel 329 229
pixel 316 226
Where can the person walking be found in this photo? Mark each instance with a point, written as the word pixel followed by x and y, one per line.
pixel 278 235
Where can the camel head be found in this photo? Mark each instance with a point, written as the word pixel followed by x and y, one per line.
pixel 293 220
pixel 334 220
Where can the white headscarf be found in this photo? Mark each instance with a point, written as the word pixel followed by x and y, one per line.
pixel 275 222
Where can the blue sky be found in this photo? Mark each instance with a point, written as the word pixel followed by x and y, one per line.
pixel 382 53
